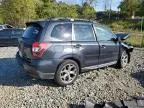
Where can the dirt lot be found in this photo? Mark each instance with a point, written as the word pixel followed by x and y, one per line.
pixel 18 90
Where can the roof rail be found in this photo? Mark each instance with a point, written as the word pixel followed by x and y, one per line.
pixel 71 19
pixel 61 18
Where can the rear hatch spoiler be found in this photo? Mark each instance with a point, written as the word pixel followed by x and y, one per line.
pixel 122 35
pixel 39 23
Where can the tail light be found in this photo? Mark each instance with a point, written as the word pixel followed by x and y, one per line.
pixel 39 48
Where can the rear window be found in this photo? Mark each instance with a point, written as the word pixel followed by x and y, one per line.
pixel 32 31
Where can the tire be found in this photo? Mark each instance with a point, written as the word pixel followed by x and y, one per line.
pixel 63 76
pixel 123 60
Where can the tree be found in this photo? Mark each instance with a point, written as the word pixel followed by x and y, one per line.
pixel 89 2
pixel 47 10
pixel 129 7
pixel 53 9
pixel 88 12
pixel 1 17
pixel 17 12
pixel 67 10
pixel 141 9
pixel 49 1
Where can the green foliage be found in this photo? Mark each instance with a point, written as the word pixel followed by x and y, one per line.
pixel 1 17
pixel 67 11
pixel 141 9
pixel 88 12
pixel 49 9
pixel 119 25
pixel 50 1
pixel 1 20
pixel 17 12
pixel 132 7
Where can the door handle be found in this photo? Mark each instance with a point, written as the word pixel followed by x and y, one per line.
pixel 77 46
pixel 103 46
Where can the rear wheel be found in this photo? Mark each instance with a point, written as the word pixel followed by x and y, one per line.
pixel 123 60
pixel 67 73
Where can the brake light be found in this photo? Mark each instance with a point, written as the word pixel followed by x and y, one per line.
pixel 39 48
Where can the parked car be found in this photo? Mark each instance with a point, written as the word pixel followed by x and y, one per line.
pixel 63 48
pixel 9 35
pixel 5 26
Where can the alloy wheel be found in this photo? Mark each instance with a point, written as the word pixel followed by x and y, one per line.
pixel 68 73
pixel 124 59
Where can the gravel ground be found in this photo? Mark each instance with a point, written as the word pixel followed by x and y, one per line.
pixel 20 91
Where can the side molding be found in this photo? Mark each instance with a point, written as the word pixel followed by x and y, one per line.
pixel 101 65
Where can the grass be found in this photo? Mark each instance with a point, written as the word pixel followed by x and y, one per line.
pixel 136 39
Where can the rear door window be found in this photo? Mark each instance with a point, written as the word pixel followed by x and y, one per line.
pixel 62 32
pixel 83 32
pixel 32 32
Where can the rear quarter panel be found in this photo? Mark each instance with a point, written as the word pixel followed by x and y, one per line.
pixel 58 50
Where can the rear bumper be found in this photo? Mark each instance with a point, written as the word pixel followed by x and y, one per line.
pixel 43 69
pixel 32 71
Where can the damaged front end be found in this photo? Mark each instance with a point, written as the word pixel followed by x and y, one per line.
pixel 122 36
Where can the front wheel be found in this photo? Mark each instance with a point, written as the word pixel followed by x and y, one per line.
pixel 67 72
pixel 123 60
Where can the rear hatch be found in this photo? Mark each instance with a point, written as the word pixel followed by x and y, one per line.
pixel 32 34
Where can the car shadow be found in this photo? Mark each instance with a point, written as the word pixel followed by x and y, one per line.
pixel 139 76
pixel 12 75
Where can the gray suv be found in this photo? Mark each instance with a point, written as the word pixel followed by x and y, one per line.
pixel 61 49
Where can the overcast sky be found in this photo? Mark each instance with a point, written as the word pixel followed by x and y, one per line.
pixel 99 6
